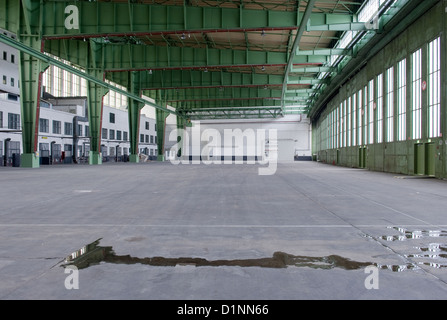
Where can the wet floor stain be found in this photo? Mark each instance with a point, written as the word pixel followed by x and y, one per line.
pixel 94 253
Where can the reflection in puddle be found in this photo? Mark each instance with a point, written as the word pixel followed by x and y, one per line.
pixel 435 253
pixel 416 234
pixel 93 254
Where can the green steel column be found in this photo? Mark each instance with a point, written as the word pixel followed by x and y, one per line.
pixel 161 126
pixel 30 83
pixel 30 70
pixel 134 108
pixel 95 95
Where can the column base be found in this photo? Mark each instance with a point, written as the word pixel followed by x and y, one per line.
pixel 160 157
pixel 134 158
pixel 94 158
pixel 29 160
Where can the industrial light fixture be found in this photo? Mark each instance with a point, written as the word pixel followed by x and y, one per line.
pixel 206 70
pixel 150 71
pixel 263 33
pixel 183 37
pixel 263 68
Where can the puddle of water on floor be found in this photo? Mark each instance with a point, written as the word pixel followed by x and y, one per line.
pixel 93 254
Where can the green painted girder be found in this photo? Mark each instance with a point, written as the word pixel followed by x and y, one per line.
pixel 297 95
pixel 189 79
pixel 234 113
pixel 305 20
pixel 310 70
pixel 353 26
pixel 219 93
pixel 303 80
pixel 324 52
pixel 310 59
pixel 226 103
pixel 129 18
pixel 129 57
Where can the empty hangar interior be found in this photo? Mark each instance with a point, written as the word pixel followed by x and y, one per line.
pixel 346 84
pixel 367 75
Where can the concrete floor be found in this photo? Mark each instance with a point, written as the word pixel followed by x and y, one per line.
pixel 327 223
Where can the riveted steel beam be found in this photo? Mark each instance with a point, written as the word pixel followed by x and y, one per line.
pixel 128 57
pixel 98 18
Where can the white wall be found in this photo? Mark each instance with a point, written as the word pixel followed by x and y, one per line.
pixel 293 135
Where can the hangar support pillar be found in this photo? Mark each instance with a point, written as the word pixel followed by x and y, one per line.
pixel 95 95
pixel 134 108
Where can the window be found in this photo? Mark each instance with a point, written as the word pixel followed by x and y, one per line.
pixel 434 88
pixel 349 123
pixel 1 119
pixel 56 127
pixel 379 136
pixel 360 117
pixel 331 133
pixel 354 119
pixel 147 125
pixel 5 55
pixel 87 131
pixel 79 130
pixel 118 135
pixel 68 128
pixel 13 121
pixel 57 151
pixel 125 135
pixel 152 139
pixel 112 117
pixel 44 149
pixel 13 59
pixel 112 134
pixel 12 82
pixel 337 119
pixel 141 137
pixel 5 79
pixel 390 105
pixel 104 133
pixel 417 94
pixel 371 107
pixel 44 125
pixel 402 100
pixel 344 124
